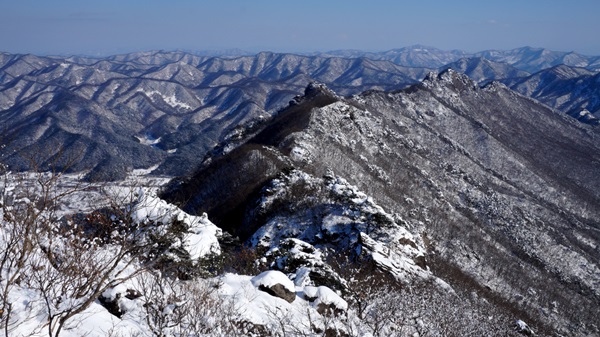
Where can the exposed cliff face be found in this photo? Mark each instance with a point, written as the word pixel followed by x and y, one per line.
pixel 502 193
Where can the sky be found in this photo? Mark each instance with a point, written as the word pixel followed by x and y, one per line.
pixel 99 28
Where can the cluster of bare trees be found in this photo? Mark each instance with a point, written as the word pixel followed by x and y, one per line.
pixel 52 259
pixel 389 312
pixel 54 267
pixel 172 307
pixel 379 305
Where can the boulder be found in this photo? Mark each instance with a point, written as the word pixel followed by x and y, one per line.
pixel 275 283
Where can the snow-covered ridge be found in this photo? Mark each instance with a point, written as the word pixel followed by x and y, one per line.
pixel 142 301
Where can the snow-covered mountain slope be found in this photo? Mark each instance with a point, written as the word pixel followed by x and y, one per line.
pixel 135 265
pixel 500 191
pixel 567 89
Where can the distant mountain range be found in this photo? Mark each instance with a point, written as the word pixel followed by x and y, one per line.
pixel 168 109
pixel 526 58
pixel 483 70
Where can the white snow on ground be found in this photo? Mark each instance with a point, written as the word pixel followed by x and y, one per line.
pixel 235 293
pixel 29 314
pixel 78 196
pixel 137 173
pixel 203 236
pixel 85 197
pixel 96 321
pixel 27 311
pixel 261 308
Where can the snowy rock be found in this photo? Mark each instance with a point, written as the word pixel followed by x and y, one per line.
pixel 302 277
pixel 587 117
pixel 325 300
pixel 202 238
pixel 403 265
pixel 275 283
pixel 307 262
pixel 314 88
pixel 202 235
pixel 337 216
pixel 116 299
pixel 523 328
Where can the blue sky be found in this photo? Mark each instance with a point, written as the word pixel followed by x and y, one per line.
pixel 119 26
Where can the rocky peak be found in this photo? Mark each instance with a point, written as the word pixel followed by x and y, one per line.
pixel 314 90
pixel 451 79
pixel 495 86
pixel 296 116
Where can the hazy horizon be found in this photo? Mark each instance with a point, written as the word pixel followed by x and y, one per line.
pixel 240 52
pixel 69 27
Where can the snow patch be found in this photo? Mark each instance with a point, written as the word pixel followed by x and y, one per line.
pixel 170 100
pixel 147 140
pixel 144 171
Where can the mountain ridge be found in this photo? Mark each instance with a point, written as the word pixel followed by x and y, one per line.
pixel 481 184
pixel 568 89
pixel 527 58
